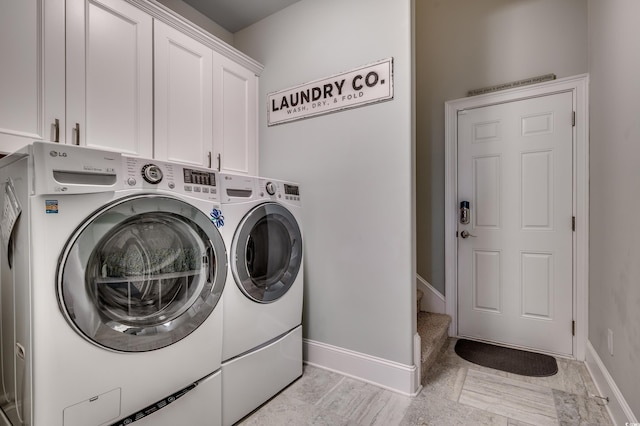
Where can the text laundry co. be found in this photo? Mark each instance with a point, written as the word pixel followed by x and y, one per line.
pixel 371 83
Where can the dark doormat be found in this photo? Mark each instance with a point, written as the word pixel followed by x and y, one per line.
pixel 507 359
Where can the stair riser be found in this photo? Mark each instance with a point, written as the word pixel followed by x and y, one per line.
pixel 433 330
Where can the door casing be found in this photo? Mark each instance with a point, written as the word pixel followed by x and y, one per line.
pixel 578 86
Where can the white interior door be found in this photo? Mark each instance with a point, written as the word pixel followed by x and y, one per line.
pixel 515 265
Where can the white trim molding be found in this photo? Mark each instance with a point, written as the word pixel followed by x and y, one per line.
pixel 432 300
pixel 396 377
pixel 172 18
pixel 578 86
pixel 617 407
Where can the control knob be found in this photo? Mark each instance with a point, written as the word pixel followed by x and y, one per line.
pixel 152 173
pixel 271 188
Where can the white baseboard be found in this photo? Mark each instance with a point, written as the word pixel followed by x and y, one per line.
pixel 432 300
pixel 400 378
pixel 618 409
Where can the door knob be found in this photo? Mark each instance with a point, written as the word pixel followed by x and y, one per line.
pixel 466 234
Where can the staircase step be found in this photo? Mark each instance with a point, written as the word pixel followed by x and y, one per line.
pixel 434 331
pixel 419 295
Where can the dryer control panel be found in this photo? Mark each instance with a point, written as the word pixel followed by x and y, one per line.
pixel 237 188
pixel 276 190
pixel 152 175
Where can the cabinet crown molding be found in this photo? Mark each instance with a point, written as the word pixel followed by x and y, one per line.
pixel 168 16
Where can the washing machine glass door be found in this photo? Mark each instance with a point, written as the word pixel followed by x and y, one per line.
pixel 142 273
pixel 267 252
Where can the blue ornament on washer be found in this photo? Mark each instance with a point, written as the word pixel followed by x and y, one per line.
pixel 217 218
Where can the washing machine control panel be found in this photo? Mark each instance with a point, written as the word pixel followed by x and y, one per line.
pixel 140 173
pixel 152 173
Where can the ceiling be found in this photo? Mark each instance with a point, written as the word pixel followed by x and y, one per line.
pixel 234 15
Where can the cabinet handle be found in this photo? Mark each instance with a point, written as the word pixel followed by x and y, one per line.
pixel 209 159
pixel 76 129
pixel 56 130
pixel 219 162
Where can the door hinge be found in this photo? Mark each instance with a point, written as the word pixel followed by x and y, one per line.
pixel 573 119
pixel 573 223
pixel 573 328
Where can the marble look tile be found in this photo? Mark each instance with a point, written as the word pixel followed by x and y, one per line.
pixel 510 398
pixel 587 380
pixel 283 410
pixel 444 380
pixel 578 410
pixel 366 404
pixel 314 384
pixel 455 392
pixel 572 377
pixel 432 410
pixel 512 422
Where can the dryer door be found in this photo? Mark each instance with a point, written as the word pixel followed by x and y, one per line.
pixel 141 273
pixel 267 252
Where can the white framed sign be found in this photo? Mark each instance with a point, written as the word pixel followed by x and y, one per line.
pixel 364 85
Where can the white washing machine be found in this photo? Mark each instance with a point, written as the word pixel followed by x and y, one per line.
pixel 262 338
pixel 112 276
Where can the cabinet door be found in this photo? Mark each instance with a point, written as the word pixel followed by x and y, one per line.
pixel 183 97
pixel 235 117
pixel 31 71
pixel 109 76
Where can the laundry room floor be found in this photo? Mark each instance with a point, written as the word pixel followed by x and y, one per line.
pixel 455 392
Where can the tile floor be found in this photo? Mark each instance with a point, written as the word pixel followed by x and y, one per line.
pixel 455 392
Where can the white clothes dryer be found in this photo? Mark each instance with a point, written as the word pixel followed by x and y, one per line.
pixel 262 338
pixel 112 276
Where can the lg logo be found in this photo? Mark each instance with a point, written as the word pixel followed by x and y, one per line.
pixel 57 154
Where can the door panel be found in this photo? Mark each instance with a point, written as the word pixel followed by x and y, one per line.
pixel 486 171
pixel 515 272
pixel 537 190
pixel 486 280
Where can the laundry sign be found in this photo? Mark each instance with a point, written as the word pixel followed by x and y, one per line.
pixel 364 85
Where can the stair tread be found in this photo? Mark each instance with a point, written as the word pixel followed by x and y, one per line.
pixel 432 326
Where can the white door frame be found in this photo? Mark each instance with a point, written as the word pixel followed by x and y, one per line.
pixel 578 85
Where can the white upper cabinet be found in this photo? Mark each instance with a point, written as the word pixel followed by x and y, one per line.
pixel 129 76
pixel 183 97
pixel 205 105
pixel 31 72
pixel 109 76
pixel 235 112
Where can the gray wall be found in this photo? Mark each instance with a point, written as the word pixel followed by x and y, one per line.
pixel 614 264
pixel 182 8
pixel 355 168
pixel 470 44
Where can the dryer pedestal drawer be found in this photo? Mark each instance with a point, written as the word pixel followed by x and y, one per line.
pixel 252 378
